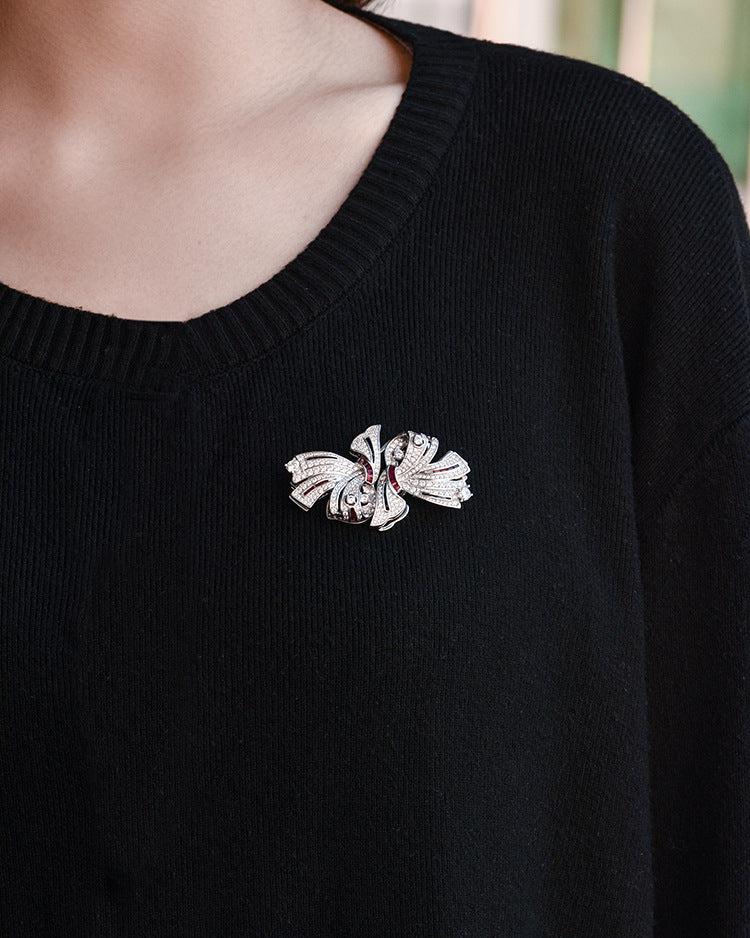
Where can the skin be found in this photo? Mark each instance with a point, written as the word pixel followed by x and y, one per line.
pixel 161 158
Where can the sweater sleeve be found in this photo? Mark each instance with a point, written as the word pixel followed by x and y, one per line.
pixel 695 557
pixel 683 284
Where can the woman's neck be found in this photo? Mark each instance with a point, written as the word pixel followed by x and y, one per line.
pixel 90 64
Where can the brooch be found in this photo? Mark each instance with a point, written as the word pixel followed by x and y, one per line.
pixel 361 492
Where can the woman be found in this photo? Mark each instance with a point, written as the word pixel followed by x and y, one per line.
pixel 255 250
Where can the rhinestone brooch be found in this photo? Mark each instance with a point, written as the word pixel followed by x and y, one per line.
pixel 360 492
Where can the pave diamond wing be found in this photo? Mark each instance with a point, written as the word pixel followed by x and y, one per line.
pixel 351 484
pixel 442 482
pixel 409 468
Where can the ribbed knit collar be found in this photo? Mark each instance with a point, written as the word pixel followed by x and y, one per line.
pixel 152 354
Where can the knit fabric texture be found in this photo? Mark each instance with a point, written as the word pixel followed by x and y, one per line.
pixel 221 715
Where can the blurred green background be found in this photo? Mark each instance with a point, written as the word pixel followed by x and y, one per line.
pixel 700 59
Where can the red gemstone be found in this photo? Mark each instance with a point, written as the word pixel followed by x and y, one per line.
pixel 392 477
pixel 368 468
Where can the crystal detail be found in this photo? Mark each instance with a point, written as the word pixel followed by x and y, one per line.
pixel 360 492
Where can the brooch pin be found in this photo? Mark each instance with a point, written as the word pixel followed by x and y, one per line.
pixel 360 492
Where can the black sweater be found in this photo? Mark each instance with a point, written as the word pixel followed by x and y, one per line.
pixel 526 713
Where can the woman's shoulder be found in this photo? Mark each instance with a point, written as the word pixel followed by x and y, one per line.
pixel 576 101
pixel 587 125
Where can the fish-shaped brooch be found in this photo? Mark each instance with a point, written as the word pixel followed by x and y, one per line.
pixel 361 492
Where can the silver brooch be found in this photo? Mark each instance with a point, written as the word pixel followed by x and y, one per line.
pixel 360 492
